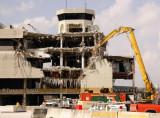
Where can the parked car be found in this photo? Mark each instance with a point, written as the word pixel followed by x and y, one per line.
pixel 53 103
pixel 61 103
pixel 116 107
pixel 108 107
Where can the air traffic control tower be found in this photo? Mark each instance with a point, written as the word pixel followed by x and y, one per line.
pixel 75 20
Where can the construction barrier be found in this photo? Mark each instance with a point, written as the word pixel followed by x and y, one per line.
pixel 59 113
pixel 67 113
pixel 8 108
pixel 83 114
pixel 16 115
pixel 104 114
pixel 154 115
pixel 133 115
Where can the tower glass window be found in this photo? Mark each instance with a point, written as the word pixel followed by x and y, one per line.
pixel 75 16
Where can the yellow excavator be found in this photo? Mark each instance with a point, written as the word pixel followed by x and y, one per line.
pixel 150 92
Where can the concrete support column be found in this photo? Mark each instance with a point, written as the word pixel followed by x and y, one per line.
pixel 61 96
pixel 61 63
pixel 24 99
pixel 82 56
pixel 95 39
pixel 133 70
pixel 83 60
pixel 61 53
pixel 95 43
pixel 61 59
pixel 83 28
pixel 24 95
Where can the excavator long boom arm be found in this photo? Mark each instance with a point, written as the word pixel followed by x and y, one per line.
pixel 136 50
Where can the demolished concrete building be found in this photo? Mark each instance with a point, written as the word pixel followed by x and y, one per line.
pixel 35 65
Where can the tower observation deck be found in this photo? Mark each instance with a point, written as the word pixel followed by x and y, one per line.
pixel 75 20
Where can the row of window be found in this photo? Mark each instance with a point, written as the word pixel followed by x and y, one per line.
pixel 73 16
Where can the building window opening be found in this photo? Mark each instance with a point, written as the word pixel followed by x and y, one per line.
pixel 38 43
pixel 72 42
pixel 75 16
pixel 75 74
pixel 88 58
pixel 55 59
pixel 121 67
pixel 11 84
pixel 55 75
pixel 75 28
pixel 47 73
pixel 72 60
pixel 65 74
pixel 89 41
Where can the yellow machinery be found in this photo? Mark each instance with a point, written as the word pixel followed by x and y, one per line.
pixel 130 31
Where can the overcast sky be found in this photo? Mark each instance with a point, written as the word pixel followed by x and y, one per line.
pixel 143 15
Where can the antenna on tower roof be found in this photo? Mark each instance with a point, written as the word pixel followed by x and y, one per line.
pixel 85 4
pixel 66 3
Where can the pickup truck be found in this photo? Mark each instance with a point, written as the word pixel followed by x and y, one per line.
pixel 142 107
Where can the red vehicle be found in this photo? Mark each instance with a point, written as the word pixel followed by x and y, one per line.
pixel 152 108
